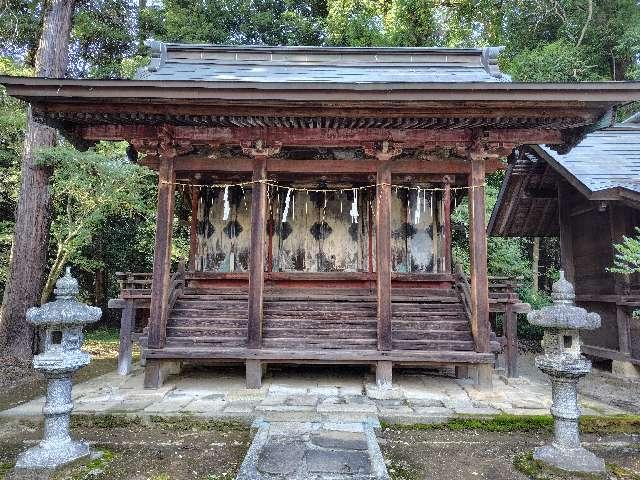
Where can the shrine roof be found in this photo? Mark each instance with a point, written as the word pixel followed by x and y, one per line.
pixel 212 63
pixel 402 95
pixel 604 166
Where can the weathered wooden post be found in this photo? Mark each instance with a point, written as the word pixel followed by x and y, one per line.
pixel 563 362
pixel 62 320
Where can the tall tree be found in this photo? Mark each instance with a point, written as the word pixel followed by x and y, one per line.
pixel 31 234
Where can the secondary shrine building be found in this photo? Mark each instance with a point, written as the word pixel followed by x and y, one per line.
pixel 321 183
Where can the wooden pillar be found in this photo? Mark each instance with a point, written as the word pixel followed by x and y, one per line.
pixel 478 250
pixel 127 324
pixel 511 336
pixel 447 227
pixel 384 374
pixel 162 254
pixel 620 225
pixel 370 231
pixel 256 259
pixel 193 230
pixel 566 238
pixel 383 253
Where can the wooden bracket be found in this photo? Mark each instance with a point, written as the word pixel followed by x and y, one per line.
pixel 164 144
pixel 383 150
pixel 258 148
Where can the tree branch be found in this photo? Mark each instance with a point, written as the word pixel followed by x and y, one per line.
pixel 586 23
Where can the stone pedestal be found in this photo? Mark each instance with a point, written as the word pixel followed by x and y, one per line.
pixel 62 321
pixel 566 452
pixel 565 365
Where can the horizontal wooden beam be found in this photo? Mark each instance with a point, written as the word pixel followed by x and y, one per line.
pixel 320 137
pixel 326 356
pixel 202 163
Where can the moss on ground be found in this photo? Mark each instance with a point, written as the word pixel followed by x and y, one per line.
pixel 4 469
pixel 527 423
pixel 88 470
pixel 536 470
pixel 401 470
pixel 188 422
pixel 103 421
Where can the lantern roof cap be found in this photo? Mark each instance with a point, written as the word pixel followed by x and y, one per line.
pixel 564 314
pixel 65 309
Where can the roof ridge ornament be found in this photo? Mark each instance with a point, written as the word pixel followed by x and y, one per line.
pixel 490 61
pixel 158 54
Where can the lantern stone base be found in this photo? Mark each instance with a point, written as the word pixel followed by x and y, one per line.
pixel 569 459
pixel 50 455
pixel 625 369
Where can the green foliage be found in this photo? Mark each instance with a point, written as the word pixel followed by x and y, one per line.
pixel 12 127
pixel 253 22
pixel 89 187
pixel 102 37
pixel 627 255
pixel 506 256
pixel 559 61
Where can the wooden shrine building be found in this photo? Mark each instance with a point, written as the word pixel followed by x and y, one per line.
pixel 320 182
pixel 590 198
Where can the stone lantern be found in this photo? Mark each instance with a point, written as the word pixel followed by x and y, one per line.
pixel 563 362
pixel 61 322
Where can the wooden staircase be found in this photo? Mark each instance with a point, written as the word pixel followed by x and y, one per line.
pixel 321 320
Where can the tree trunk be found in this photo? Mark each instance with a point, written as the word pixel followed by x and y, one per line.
pixel 535 264
pixel 31 234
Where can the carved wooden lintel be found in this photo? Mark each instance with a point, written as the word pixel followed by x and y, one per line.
pixel 259 148
pixel 383 150
pixel 164 144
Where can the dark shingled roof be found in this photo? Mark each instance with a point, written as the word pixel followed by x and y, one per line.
pixel 604 166
pixel 320 64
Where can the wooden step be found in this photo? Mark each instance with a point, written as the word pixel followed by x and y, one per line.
pixel 454 335
pixel 334 333
pixel 206 331
pixel 432 345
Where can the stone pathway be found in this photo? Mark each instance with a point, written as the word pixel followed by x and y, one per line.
pixel 309 395
pixel 314 451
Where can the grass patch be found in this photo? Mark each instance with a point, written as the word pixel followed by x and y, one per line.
pixel 91 469
pixel 4 469
pixel 104 334
pixel 497 423
pixel 103 421
pixel 189 423
pixel 536 470
pixel 401 470
pixel 527 423
pixel 104 343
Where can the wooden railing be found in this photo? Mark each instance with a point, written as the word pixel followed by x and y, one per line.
pixel 134 282
pixel 176 284
pixel 502 299
pixel 465 289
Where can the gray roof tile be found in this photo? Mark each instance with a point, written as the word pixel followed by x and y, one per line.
pixel 605 159
pixel 320 65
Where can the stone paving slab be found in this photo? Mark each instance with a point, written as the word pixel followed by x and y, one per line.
pixel 313 451
pixel 318 395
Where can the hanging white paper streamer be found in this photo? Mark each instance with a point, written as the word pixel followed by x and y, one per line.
pixel 354 207
pixel 287 199
pixel 227 207
pixel 416 216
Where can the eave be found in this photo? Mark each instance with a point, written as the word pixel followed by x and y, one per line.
pixel 557 114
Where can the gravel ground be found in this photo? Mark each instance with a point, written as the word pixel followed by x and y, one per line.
pixel 469 454
pixel 141 452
